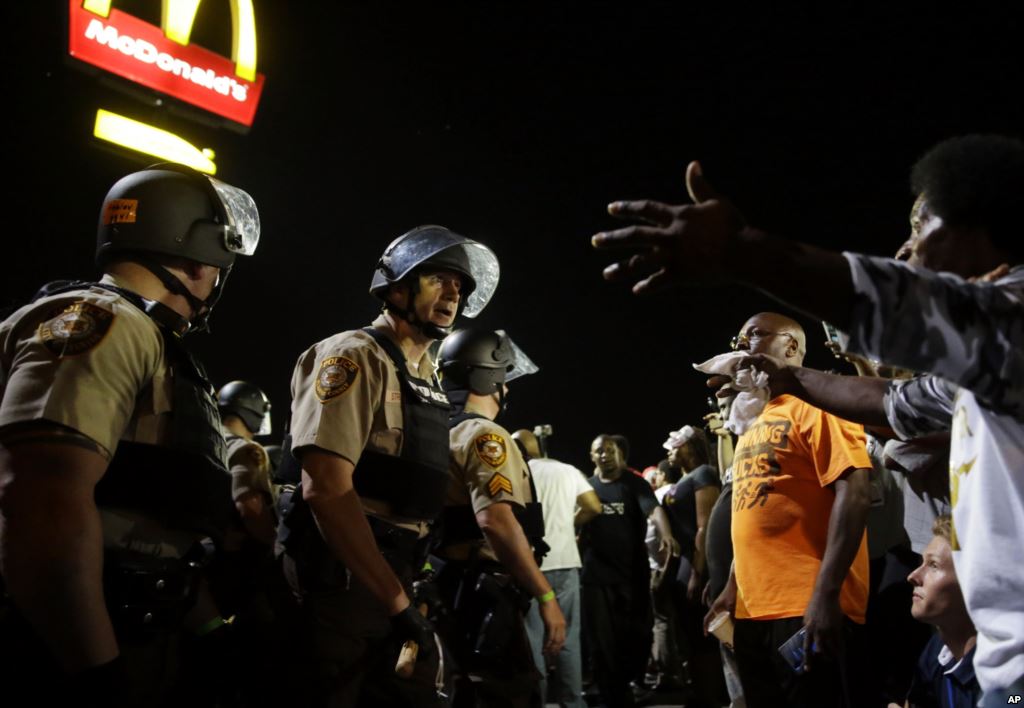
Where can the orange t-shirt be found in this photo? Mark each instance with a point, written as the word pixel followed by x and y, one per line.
pixel 781 507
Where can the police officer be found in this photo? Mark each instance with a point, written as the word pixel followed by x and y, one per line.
pixel 113 458
pixel 245 413
pixel 369 426
pixel 490 522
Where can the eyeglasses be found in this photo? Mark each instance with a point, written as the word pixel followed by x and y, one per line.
pixel 743 339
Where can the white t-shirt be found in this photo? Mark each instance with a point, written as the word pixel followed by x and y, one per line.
pixel 986 467
pixel 558 485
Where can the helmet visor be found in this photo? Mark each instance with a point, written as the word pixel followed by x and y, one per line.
pixel 483 266
pixel 242 232
pixel 265 426
pixel 521 365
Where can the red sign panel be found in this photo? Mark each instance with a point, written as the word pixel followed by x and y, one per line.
pixel 138 51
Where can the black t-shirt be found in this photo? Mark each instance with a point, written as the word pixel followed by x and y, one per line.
pixel 681 504
pixel 718 541
pixel 613 543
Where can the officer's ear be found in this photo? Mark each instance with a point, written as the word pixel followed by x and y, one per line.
pixel 398 295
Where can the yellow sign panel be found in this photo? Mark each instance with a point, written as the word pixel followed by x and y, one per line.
pixel 151 140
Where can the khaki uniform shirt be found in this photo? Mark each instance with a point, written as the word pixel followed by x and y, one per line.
pixel 88 360
pixel 486 467
pixel 346 398
pixel 91 361
pixel 249 465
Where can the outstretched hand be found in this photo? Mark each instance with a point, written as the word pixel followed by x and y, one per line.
pixel 673 244
pixel 780 376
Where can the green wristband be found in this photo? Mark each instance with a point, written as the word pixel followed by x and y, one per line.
pixel 549 595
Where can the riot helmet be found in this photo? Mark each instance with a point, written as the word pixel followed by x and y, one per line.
pixel 248 402
pixel 439 248
pixel 481 362
pixel 172 210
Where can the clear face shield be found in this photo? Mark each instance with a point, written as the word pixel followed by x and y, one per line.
pixel 265 426
pixel 483 265
pixel 522 365
pixel 242 232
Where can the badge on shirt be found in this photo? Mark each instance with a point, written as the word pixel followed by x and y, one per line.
pixel 336 375
pixel 490 448
pixel 499 483
pixel 77 329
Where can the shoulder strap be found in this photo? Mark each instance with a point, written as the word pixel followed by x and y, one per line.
pixel 464 416
pixel 392 349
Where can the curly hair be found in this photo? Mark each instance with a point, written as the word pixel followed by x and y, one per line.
pixel 976 181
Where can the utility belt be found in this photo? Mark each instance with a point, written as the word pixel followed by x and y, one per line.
pixel 316 566
pixel 146 595
pixel 485 607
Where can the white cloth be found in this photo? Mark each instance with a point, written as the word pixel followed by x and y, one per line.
pixel 558 485
pixel 750 384
pixel 678 438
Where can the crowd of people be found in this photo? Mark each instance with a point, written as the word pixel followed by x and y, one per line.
pixel 823 539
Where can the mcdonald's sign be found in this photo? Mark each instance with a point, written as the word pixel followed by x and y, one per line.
pixel 161 58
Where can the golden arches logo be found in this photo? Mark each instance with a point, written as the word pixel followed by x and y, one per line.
pixel 177 18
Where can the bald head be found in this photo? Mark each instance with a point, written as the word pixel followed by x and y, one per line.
pixel 529 442
pixel 776 335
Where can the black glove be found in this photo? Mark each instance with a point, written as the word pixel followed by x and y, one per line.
pixel 410 624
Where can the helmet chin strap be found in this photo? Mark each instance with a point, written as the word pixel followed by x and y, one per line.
pixel 201 309
pixel 429 329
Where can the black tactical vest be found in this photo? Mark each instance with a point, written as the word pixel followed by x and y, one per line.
pixel 183 484
pixel 414 484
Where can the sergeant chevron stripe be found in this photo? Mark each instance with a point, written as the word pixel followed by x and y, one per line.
pixel 499 483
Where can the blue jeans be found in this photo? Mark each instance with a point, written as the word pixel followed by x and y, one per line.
pixel 568 664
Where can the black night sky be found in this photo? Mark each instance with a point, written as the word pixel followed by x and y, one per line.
pixel 515 123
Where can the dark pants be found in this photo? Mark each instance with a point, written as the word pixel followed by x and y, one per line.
pixel 769 682
pixel 483 626
pixel 347 655
pixel 618 620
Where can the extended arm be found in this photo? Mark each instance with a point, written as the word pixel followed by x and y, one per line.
pixel 52 546
pixel 589 507
pixel 859 399
pixel 504 534
pixel 881 303
pixel 327 488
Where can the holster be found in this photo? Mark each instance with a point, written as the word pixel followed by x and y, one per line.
pixel 486 606
pixel 147 595
pixel 316 567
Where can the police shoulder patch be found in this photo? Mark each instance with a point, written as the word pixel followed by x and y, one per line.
pixel 336 375
pixel 490 448
pixel 77 328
